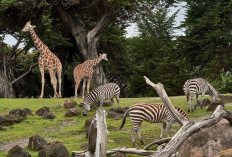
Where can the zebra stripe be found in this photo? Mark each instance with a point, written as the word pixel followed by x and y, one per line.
pixel 101 93
pixel 150 112
pixel 195 87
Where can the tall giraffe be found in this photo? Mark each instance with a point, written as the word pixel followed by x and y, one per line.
pixel 47 61
pixel 85 71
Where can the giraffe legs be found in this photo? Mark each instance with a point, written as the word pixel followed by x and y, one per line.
pixel 76 86
pixel 53 82
pixel 83 88
pixel 43 81
pixel 88 83
pixel 59 79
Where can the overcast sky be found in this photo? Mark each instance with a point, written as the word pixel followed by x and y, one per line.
pixel 132 30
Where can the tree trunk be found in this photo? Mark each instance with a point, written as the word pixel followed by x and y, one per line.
pixel 86 42
pixel 6 88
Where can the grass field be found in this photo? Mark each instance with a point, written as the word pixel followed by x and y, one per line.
pixel 71 131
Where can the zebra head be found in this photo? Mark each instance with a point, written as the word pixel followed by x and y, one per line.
pixel 86 108
pixel 213 92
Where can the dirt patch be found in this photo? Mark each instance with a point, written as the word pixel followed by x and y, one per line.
pixel 22 143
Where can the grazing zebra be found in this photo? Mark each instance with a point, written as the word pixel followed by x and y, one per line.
pixel 195 87
pixel 101 93
pixel 150 112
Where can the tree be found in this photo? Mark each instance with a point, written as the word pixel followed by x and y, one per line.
pixel 207 44
pixel 154 53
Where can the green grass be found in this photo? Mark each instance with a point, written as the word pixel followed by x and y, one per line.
pixel 71 131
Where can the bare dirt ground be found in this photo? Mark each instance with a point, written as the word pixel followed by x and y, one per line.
pixel 22 143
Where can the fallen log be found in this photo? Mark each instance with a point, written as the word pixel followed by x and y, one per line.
pixel 131 151
pixel 159 142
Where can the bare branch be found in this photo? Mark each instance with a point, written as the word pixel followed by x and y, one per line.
pixel 131 151
pixel 163 95
pixel 159 142
pixel 24 74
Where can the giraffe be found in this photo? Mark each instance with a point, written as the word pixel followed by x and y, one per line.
pixel 85 71
pixel 47 61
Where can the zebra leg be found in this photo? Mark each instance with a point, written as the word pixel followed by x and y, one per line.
pixel 101 103
pixel 169 126
pixel 133 136
pixel 195 107
pixel 112 102
pixel 202 96
pixel 191 102
pixel 163 128
pixel 188 103
pixel 139 135
pixel 117 98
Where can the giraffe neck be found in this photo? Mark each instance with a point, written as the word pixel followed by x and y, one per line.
pixel 38 43
pixel 97 60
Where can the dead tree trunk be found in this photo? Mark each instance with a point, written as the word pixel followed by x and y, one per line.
pixel 98 135
pixel 189 127
pixel 6 88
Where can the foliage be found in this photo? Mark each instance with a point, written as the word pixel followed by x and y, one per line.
pixel 153 53
pixel 207 44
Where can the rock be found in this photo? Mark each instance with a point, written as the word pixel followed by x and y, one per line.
pixel 7 120
pixel 18 113
pixel 70 103
pixel 208 142
pixel 27 111
pixel 107 104
pixel 205 102
pixel 18 151
pixel 72 112
pixel 119 154
pixel 88 121
pixel 41 111
pixel 225 153
pixel 48 115
pixel 54 149
pixel 84 146
pixel 2 129
pixel 125 109
pixel 36 142
pixel 92 131
pixel 115 113
pixel 213 106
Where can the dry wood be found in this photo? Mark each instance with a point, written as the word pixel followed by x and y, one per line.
pixel 163 95
pixel 102 134
pixel 161 141
pixel 131 151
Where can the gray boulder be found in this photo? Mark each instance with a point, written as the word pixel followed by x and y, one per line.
pixel 208 142
pixel 70 103
pixel 36 142
pixel 18 151
pixel 41 111
pixel 72 112
pixel 54 149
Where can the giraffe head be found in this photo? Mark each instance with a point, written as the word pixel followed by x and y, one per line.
pixel 103 57
pixel 28 27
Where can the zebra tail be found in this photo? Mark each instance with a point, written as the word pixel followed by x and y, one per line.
pixel 124 118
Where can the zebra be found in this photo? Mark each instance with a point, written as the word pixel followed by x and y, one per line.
pixel 150 112
pixel 101 93
pixel 195 87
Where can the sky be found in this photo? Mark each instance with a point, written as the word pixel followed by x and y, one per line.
pixel 133 30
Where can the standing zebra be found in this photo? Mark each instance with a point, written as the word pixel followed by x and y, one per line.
pixel 101 93
pixel 150 112
pixel 195 87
